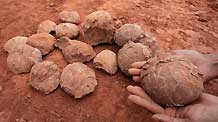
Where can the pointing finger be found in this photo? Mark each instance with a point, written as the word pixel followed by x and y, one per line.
pixel 146 104
pixel 134 71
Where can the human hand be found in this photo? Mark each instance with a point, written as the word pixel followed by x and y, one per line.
pixel 205 109
pixel 205 63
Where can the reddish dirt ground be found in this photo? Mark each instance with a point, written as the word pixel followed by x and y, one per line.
pixel 177 24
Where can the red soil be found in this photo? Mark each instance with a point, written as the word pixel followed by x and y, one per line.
pixel 177 24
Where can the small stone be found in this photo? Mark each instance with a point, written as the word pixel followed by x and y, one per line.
pixel 78 80
pixel 129 32
pixel 45 77
pixel 15 44
pixel 42 41
pixel 67 30
pixel 23 60
pixel 78 52
pixel 46 26
pixel 51 4
pixel 106 60
pixel 70 17
pixel 98 28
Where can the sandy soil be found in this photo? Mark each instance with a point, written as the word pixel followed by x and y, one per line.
pixel 177 24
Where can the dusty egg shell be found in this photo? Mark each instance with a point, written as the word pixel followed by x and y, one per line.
pixel 45 77
pixel 67 30
pixel 42 41
pixel 106 60
pixel 70 17
pixel 172 81
pixel 46 26
pixel 98 28
pixel 78 80
pixel 130 53
pixel 129 32
pixel 62 42
pixel 23 60
pixel 15 44
pixel 78 52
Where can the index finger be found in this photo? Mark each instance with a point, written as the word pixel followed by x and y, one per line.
pixel 139 64
pixel 152 107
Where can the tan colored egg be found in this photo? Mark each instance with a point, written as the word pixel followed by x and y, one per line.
pixel 78 80
pixel 130 53
pixel 98 27
pixel 172 81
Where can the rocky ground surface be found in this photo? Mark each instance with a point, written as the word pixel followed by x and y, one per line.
pixel 176 24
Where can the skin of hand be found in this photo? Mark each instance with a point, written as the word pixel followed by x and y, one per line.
pixel 206 63
pixel 203 110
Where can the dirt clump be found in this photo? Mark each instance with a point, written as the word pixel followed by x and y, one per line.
pixel 45 77
pixel 70 17
pixel 78 51
pixel 106 60
pixel 129 32
pixel 42 41
pixel 78 80
pixel 15 44
pixel 22 61
pixel 172 81
pixel 98 27
pixel 130 53
pixel 46 26
pixel 67 30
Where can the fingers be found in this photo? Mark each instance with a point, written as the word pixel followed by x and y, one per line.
pixel 154 108
pixel 207 99
pixel 139 92
pixel 170 111
pixel 134 71
pixel 166 118
pixel 138 65
pixel 136 78
pixel 141 98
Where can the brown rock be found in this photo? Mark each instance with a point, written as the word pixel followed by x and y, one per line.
pixel 78 80
pixel 45 77
pixel 15 44
pixel 70 17
pixel 172 81
pixel 129 32
pixel 98 28
pixel 67 30
pixel 23 60
pixel 42 41
pixel 106 60
pixel 78 52
pixel 130 53
pixel 46 26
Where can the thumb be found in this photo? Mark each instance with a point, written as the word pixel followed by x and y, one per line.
pixel 166 118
